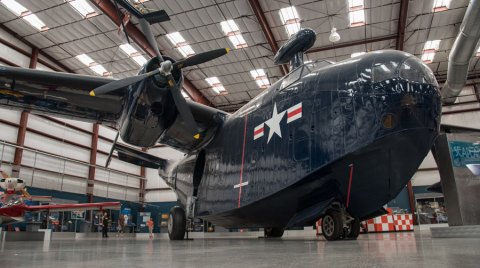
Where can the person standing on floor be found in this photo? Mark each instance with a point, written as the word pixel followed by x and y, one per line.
pixel 105 222
pixel 121 224
pixel 150 227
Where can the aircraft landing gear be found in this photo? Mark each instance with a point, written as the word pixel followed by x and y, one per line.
pixel 273 232
pixel 177 222
pixel 337 225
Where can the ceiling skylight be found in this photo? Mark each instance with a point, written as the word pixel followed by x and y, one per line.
pixel 230 29
pixel 133 54
pixel 97 68
pixel 356 13
pixel 217 87
pixel 83 7
pixel 25 14
pixel 440 5
pixel 429 50
pixel 290 20
pixel 260 77
pixel 179 42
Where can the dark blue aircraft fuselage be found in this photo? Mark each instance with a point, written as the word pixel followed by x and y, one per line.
pixel 366 123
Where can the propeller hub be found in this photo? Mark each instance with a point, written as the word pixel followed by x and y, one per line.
pixel 166 68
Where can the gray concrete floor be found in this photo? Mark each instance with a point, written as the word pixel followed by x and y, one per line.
pixel 372 250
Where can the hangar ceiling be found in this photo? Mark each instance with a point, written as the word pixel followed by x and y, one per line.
pixel 70 34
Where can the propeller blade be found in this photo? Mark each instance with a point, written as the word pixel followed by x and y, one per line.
pixel 183 108
pixel 147 31
pixel 201 58
pixel 117 84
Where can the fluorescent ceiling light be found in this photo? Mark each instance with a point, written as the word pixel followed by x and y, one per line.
pixel 177 40
pixel 133 54
pixel 290 20
pixel 15 7
pixel 140 1
pixel 185 95
pixel 478 52
pixel 356 13
pixel 217 87
pixel 97 68
pixel 355 54
pixel 140 60
pixel 21 11
pixel 85 59
pixel 429 50
pixel 260 77
pixel 83 7
pixel 230 29
pixel 441 5
pixel 36 22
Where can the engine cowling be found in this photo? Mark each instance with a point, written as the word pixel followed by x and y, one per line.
pixel 149 108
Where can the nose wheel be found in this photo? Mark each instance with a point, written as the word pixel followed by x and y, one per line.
pixel 176 224
pixel 273 232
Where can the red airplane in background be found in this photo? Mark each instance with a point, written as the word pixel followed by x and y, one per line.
pixel 13 207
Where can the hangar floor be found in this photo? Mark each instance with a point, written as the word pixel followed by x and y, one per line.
pixel 372 250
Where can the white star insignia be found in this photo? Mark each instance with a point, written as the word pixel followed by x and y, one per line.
pixel 274 123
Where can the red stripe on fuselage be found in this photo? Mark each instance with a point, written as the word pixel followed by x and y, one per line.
pixel 295 112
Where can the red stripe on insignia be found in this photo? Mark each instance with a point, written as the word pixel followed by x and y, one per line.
pixel 258 131
pixel 295 112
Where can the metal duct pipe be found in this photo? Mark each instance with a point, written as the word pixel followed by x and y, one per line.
pixel 461 52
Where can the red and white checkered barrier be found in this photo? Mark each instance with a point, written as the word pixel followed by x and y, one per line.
pixel 381 224
pixel 403 222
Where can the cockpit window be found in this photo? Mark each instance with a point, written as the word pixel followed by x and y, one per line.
pixel 384 70
pixel 414 71
pixel 291 78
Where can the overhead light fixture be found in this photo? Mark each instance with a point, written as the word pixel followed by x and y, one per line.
pixel 260 77
pixel 230 29
pixel 22 12
pixel 429 50
pixel 185 95
pixel 478 52
pixel 334 36
pixel 217 87
pixel 133 54
pixel 83 7
pixel 356 54
pixel 97 68
pixel 441 5
pixel 179 42
pixel 290 20
pixel 356 13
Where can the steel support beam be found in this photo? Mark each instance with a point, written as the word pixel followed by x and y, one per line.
pixel 109 9
pixel 267 31
pixel 476 90
pixel 22 127
pixel 411 201
pixel 402 22
pixel 353 43
pixel 141 192
pixel 42 53
pixel 93 163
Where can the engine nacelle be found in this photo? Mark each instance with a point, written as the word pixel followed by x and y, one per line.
pixel 149 108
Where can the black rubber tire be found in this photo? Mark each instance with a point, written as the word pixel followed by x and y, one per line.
pixel 273 232
pixel 332 225
pixel 354 229
pixel 177 223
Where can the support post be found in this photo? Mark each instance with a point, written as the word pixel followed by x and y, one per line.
pixel 22 128
pixel 93 162
pixel 411 201
pixel 141 193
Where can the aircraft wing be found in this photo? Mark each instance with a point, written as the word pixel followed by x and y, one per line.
pixel 73 207
pixel 61 94
pixel 40 198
